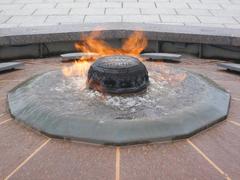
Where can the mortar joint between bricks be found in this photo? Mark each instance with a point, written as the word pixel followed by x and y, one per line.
pixel 220 5
pixel 160 18
pixel 33 12
pixel 176 11
pixel 155 4
pixel 210 12
pixel 198 19
pixel 238 21
pixel 84 18
pixel 188 5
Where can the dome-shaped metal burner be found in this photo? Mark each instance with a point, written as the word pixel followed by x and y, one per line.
pixel 118 74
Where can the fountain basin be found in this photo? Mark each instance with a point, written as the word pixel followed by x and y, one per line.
pixel 169 109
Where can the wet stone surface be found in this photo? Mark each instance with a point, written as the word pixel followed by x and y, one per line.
pixel 55 104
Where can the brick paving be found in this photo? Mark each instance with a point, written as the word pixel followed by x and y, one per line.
pixel 210 13
pixel 211 154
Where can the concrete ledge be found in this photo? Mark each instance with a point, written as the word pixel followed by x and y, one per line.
pixel 46 34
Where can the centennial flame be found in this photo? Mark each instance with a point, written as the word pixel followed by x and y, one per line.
pixel 93 47
pixel 92 43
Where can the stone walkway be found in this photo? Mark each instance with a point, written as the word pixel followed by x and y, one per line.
pixel 212 154
pixel 212 13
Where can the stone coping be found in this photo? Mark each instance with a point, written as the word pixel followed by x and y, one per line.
pixel 174 33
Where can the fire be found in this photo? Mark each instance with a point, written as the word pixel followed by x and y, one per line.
pixel 92 43
pixel 132 46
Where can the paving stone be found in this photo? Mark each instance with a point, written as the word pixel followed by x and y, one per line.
pixel 26 19
pixel 29 1
pixel 221 144
pixel 141 18
pixel 185 1
pixel 231 86
pixel 123 0
pixel 179 18
pixel 231 7
pixel 217 20
pixel 52 11
pixel 92 0
pixel 3 107
pixel 165 161
pixel 41 5
pixel 193 12
pixel 204 6
pixel 234 113
pixel 64 19
pixel 16 147
pixel 4 18
pixel 87 11
pixel 171 5
pixel 14 12
pixel 157 11
pixel 225 12
pixel 4 116
pixel 215 1
pixel 105 5
pixel 139 5
pixel 98 19
pixel 11 6
pixel 72 5
pixel 122 11
pixel 65 160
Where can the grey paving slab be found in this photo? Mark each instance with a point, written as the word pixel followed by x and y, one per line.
pixel 216 11
pixel 64 19
pixel 10 65
pixel 141 18
pixel 87 11
pixel 100 18
pixel 122 11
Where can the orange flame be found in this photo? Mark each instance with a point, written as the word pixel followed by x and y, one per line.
pixel 132 46
pixel 92 43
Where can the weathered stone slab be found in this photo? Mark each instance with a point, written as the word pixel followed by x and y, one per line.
pixel 162 56
pixel 10 66
pixel 230 66
pixel 73 56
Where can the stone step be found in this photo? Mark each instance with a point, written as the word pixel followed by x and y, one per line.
pixel 10 65
pixel 230 66
pixel 74 56
pixel 162 56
